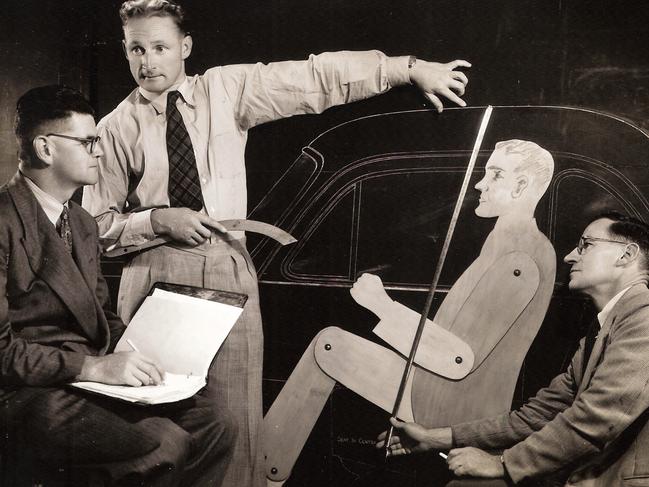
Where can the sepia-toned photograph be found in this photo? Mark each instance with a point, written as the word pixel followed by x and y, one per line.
pixel 326 243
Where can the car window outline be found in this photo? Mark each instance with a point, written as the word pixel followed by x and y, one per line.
pixel 333 200
pixel 353 185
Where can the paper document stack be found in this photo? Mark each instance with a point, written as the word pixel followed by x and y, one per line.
pixel 175 388
pixel 181 328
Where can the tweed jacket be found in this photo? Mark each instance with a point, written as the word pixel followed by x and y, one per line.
pixel 591 427
pixel 54 306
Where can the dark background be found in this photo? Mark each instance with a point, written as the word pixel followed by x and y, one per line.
pixel 524 52
pixel 537 52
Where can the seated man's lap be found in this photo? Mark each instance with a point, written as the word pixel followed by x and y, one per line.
pixel 66 427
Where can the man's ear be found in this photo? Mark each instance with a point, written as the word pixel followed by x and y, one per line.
pixel 43 149
pixel 186 48
pixel 522 181
pixel 124 48
pixel 630 254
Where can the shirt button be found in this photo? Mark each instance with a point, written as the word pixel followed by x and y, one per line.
pixel 204 180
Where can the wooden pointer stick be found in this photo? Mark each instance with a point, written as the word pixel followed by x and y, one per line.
pixel 438 272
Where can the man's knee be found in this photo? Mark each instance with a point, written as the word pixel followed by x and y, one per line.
pixel 232 429
pixel 225 430
pixel 215 427
pixel 174 444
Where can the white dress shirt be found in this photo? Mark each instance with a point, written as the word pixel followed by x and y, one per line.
pixel 218 108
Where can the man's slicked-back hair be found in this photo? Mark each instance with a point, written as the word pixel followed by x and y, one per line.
pixel 535 160
pixel 43 105
pixel 154 8
pixel 629 229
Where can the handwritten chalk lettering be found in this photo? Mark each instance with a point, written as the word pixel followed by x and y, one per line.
pixel 353 440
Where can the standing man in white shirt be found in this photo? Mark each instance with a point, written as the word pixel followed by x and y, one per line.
pixel 589 426
pixel 173 166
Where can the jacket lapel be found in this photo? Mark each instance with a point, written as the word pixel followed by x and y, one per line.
pixel 50 260
pixel 84 247
pixel 602 338
pixel 596 354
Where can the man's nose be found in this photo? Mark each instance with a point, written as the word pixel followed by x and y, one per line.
pixel 480 185
pixel 572 257
pixel 146 60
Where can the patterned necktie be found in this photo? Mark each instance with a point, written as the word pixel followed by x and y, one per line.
pixel 64 229
pixel 184 186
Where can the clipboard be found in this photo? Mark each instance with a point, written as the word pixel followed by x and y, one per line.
pixel 181 328
pixel 225 297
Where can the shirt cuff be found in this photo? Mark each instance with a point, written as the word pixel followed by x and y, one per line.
pixel 145 224
pixel 139 229
pixel 397 70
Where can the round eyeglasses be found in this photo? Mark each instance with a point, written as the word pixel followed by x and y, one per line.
pixel 584 242
pixel 89 142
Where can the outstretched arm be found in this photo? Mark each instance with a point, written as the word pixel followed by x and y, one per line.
pixel 414 438
pixel 261 93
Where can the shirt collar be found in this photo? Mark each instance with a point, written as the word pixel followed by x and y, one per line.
pixel 159 101
pixel 51 206
pixel 602 316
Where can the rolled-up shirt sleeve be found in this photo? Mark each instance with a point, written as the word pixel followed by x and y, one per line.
pixel 265 92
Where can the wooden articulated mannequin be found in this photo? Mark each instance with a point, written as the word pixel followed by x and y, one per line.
pixel 469 356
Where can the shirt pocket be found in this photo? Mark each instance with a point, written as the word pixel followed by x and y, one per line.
pixel 227 154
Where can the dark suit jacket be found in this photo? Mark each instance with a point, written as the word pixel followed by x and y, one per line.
pixel 54 307
pixel 594 427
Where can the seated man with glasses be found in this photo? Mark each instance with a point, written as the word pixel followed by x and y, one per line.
pixel 56 327
pixel 589 426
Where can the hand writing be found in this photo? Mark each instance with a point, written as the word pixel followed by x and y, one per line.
pixel 121 368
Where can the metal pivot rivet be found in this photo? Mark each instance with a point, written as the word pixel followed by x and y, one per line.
pixel 517 272
pixel 273 470
pixel 327 346
pixel 458 360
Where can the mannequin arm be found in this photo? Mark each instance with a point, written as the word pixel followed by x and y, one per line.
pixel 440 351
pixel 491 308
